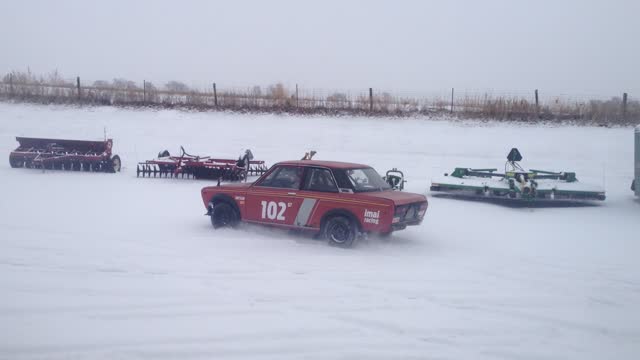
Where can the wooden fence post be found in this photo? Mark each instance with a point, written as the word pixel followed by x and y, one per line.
pixel 624 106
pixel 537 104
pixel 144 91
pixel 78 87
pixel 451 100
pixel 370 99
pixel 215 95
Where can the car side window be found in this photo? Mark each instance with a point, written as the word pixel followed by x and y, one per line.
pixel 342 179
pixel 286 177
pixel 318 179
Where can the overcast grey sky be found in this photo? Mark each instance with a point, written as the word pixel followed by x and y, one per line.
pixel 561 47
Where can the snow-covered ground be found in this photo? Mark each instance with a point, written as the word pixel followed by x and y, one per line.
pixel 109 266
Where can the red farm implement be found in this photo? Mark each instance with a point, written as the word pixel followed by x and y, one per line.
pixel 58 154
pixel 201 167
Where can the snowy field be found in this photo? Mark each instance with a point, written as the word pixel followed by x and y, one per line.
pixel 109 266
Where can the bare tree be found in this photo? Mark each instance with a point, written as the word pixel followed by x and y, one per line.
pixel 101 84
pixel 124 84
pixel 176 86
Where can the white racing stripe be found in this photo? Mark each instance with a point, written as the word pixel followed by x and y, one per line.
pixel 304 212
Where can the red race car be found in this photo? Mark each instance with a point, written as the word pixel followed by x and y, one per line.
pixel 334 199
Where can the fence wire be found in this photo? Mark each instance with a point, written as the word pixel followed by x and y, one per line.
pixel 278 97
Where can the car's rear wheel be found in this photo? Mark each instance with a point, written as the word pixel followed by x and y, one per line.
pixel 340 231
pixel 223 215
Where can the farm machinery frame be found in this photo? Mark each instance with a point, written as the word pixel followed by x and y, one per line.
pixel 516 184
pixel 61 154
pixel 201 167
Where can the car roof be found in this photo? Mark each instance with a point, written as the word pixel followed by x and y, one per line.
pixel 322 163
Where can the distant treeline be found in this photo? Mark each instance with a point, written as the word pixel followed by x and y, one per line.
pixel 53 88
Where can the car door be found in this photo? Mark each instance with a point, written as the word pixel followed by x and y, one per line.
pixel 318 189
pixel 274 199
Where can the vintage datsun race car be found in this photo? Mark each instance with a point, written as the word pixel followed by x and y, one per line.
pixel 339 201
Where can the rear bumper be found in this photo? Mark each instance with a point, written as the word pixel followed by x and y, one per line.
pixel 403 225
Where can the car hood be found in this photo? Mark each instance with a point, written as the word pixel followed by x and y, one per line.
pixel 398 197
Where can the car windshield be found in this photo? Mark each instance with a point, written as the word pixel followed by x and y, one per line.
pixel 366 179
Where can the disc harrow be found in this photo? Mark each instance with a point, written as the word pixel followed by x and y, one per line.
pixel 60 154
pixel 201 167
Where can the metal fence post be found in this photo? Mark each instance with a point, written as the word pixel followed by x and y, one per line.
pixel 451 100
pixel 215 95
pixel 624 106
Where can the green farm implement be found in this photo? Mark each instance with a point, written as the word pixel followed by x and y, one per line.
pixel 516 183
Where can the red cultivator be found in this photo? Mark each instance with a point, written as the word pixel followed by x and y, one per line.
pixel 78 155
pixel 201 167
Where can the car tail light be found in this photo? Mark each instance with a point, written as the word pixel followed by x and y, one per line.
pixel 423 209
pixel 412 212
pixel 399 213
pixel 401 210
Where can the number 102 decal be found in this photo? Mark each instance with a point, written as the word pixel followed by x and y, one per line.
pixel 272 210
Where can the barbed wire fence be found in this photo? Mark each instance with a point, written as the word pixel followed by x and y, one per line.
pixel 534 106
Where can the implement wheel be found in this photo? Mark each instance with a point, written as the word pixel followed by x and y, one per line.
pixel 15 163
pixel 116 164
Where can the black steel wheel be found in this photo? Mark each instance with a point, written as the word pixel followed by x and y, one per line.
pixel 340 231
pixel 223 215
pixel 15 163
pixel 116 164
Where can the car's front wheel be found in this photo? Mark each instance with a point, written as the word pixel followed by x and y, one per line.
pixel 223 215
pixel 340 231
